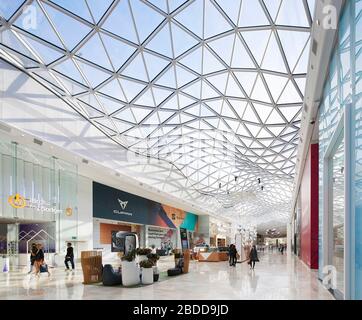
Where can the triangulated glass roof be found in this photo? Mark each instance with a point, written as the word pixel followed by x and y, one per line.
pixel 213 88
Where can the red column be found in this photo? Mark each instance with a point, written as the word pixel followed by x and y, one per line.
pixel 309 208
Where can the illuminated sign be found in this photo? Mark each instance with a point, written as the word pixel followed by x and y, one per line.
pixel 68 211
pixel 17 201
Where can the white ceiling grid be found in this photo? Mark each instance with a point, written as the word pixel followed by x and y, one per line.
pixel 211 88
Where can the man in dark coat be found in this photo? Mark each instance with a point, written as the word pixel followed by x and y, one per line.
pixel 231 252
pixel 69 257
pixel 253 257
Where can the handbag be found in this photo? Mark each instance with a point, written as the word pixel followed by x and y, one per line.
pixel 43 268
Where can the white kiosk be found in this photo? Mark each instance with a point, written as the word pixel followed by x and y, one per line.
pixel 240 247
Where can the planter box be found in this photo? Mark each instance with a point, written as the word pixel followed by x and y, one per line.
pixel 156 274
pixel 130 273
pixel 147 275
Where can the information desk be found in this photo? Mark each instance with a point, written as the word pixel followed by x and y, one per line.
pixel 213 256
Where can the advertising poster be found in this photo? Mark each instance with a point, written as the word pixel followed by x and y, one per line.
pixel 114 204
pixel 161 238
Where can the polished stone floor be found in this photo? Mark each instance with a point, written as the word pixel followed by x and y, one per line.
pixel 275 277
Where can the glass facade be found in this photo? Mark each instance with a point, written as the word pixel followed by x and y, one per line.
pixel 37 190
pixel 343 90
pixel 337 163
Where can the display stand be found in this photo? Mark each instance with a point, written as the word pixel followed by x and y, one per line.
pixel 187 256
pixel 92 266
pixel 241 257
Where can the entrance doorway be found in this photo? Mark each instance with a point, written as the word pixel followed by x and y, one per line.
pixel 16 238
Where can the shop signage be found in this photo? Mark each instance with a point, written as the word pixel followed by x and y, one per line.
pixel 68 212
pixel 123 204
pixel 113 204
pixel 17 201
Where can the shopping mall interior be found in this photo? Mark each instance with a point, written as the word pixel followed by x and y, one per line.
pixel 209 145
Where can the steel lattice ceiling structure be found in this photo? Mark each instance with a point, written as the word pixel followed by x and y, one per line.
pixel 212 89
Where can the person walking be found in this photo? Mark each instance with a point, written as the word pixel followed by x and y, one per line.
pixel 253 257
pixel 235 253
pixel 39 263
pixel 33 252
pixel 231 254
pixel 69 257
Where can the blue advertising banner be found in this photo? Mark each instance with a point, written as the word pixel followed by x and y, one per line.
pixel 113 204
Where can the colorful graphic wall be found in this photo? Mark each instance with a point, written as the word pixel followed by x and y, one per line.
pixel 43 233
pixel 309 209
pixel 114 204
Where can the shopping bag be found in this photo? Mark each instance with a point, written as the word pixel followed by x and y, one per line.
pixel 43 268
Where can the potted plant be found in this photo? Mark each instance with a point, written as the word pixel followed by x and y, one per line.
pixel 147 271
pixel 142 253
pixel 153 257
pixel 130 270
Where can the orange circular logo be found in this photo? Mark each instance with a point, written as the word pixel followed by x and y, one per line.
pixel 17 201
pixel 69 211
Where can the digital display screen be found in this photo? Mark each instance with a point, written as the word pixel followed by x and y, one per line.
pixel 184 241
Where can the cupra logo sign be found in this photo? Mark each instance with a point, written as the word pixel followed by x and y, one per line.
pixel 123 204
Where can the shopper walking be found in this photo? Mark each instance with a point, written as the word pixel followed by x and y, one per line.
pixel 40 265
pixel 231 254
pixel 253 257
pixel 33 252
pixel 69 257
pixel 235 253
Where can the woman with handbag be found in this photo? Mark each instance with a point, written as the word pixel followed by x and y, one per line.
pixel 33 252
pixel 39 264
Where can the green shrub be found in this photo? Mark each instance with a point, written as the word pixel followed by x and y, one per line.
pixel 130 256
pixel 143 251
pixel 153 257
pixel 146 264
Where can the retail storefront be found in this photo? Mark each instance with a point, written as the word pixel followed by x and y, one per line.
pixel 38 203
pixel 156 224
pixel 220 233
pixel 340 160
